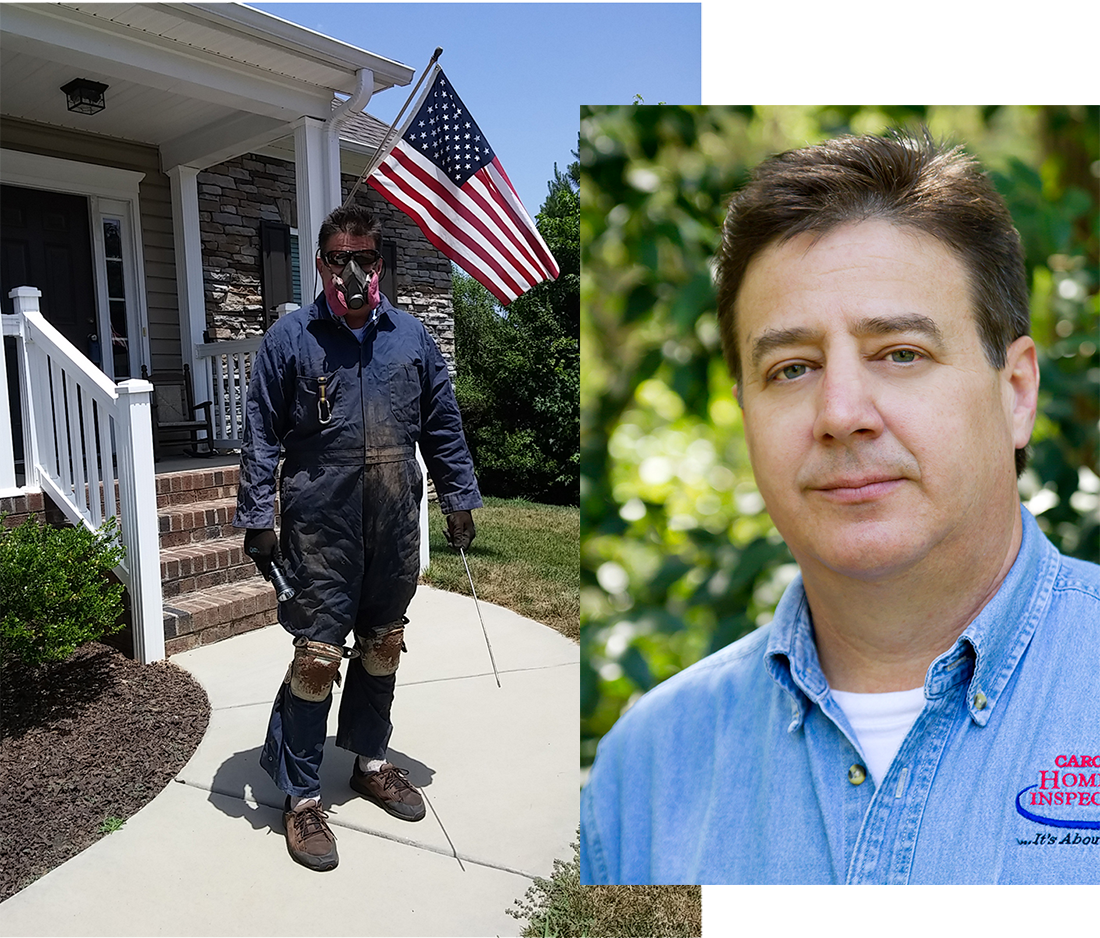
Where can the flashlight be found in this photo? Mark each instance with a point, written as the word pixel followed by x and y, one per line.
pixel 283 589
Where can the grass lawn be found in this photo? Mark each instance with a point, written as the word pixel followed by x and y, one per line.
pixel 525 557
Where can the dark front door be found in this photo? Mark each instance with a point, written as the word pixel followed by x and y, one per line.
pixel 46 243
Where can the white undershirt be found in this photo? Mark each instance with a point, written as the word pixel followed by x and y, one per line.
pixel 881 722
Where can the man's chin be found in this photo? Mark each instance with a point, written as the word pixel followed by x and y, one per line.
pixel 869 553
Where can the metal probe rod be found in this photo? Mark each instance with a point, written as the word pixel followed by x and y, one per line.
pixel 477 606
pixel 454 851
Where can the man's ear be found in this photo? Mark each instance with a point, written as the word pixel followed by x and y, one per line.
pixel 1021 378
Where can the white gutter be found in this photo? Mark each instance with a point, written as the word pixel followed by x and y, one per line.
pixel 277 31
pixel 364 88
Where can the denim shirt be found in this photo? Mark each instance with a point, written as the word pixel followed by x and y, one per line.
pixel 742 769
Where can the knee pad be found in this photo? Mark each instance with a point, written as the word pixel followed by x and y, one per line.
pixel 380 649
pixel 316 666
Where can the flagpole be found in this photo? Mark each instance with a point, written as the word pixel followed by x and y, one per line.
pixel 383 149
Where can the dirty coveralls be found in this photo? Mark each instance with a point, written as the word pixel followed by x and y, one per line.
pixel 347 415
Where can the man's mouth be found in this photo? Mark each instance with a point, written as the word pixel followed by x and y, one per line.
pixel 850 490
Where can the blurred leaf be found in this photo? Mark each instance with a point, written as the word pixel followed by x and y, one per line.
pixel 636 668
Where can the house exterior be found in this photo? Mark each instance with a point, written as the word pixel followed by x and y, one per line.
pixel 170 219
pixel 164 224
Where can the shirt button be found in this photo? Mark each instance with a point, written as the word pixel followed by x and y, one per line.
pixel 980 701
pixel 857 774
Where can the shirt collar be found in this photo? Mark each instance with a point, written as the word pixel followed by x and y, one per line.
pixel 986 652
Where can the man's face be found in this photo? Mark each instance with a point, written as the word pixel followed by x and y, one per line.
pixel 879 434
pixel 342 241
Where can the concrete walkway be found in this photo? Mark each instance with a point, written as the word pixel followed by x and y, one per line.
pixel 208 857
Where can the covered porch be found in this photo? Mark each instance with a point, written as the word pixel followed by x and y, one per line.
pixel 103 252
pixel 188 86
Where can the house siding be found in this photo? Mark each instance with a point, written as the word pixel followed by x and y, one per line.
pixel 235 196
pixel 155 196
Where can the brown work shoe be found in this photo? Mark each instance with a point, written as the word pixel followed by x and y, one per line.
pixel 308 838
pixel 388 789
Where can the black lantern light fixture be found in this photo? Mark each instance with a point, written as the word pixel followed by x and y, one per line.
pixel 85 96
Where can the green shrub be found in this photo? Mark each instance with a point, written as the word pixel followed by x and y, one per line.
pixel 560 907
pixel 55 594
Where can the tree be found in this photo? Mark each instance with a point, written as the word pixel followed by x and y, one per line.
pixel 519 368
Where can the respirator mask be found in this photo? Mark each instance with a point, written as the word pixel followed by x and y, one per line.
pixel 353 282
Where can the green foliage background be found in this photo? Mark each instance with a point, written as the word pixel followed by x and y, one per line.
pixel 518 381
pixel 678 557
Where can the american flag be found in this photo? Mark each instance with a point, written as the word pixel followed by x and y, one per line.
pixel 444 175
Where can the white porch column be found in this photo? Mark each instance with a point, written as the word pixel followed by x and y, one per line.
pixel 189 282
pixel 137 487
pixel 317 178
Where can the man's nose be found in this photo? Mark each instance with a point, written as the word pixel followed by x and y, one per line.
pixel 846 403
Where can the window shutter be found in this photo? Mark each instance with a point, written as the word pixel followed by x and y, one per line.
pixel 277 282
pixel 389 271
pixel 295 273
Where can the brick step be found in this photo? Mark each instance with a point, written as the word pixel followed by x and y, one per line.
pixel 198 521
pixel 198 566
pixel 209 615
pixel 197 485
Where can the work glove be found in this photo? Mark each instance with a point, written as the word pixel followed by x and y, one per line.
pixel 460 529
pixel 262 546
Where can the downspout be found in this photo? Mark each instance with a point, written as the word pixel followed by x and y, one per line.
pixel 364 88
pixel 316 201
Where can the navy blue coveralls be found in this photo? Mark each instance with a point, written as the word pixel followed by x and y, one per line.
pixel 347 415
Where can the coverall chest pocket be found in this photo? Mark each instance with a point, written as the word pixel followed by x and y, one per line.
pixel 317 402
pixel 405 393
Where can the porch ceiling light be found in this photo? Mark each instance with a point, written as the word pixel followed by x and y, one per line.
pixel 85 96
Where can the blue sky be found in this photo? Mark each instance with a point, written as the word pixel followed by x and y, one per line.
pixel 524 69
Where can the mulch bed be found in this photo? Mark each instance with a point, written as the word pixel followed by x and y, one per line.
pixel 93 738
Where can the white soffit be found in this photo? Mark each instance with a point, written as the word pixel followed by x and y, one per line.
pixel 188 78
pixel 235 33
pixel 197 51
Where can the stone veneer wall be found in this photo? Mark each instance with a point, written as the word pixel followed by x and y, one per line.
pixel 236 195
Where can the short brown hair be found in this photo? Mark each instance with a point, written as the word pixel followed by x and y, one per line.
pixel 909 181
pixel 357 220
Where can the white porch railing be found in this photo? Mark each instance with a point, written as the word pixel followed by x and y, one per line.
pixel 222 371
pixel 88 443
pixel 229 366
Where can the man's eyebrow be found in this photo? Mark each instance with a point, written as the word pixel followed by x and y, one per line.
pixel 906 322
pixel 772 339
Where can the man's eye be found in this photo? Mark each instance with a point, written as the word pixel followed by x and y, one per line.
pixel 905 356
pixel 789 373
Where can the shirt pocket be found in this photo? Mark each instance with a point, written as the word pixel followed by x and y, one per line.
pixel 405 393
pixel 317 402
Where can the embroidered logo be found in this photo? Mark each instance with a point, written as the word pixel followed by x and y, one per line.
pixel 1067 795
